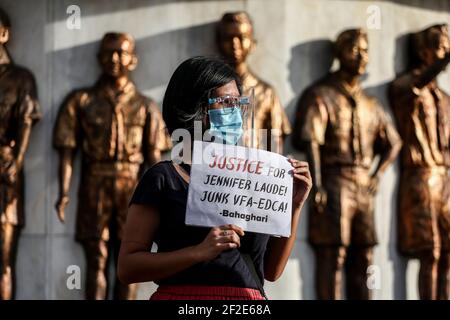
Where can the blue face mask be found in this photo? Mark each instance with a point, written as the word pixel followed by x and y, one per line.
pixel 226 123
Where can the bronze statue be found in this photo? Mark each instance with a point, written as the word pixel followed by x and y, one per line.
pixel 343 130
pixel 422 110
pixel 235 41
pixel 118 130
pixel 19 110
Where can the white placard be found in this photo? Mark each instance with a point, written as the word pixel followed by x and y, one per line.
pixel 247 187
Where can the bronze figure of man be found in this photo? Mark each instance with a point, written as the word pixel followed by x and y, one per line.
pixel 422 110
pixel 118 130
pixel 344 130
pixel 19 110
pixel 235 40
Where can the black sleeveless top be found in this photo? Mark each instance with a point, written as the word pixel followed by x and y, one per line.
pixel 164 188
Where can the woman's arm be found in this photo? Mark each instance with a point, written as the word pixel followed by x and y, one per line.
pixel 279 249
pixel 136 262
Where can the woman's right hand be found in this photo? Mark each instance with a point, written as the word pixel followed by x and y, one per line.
pixel 219 239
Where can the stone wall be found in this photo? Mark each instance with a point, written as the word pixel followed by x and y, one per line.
pixel 293 38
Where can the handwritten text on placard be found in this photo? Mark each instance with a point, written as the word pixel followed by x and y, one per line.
pixel 251 188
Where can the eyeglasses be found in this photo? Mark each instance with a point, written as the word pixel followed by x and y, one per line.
pixel 230 101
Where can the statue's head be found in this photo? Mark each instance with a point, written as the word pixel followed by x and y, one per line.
pixel 351 49
pixel 116 56
pixel 235 36
pixel 431 44
pixel 5 27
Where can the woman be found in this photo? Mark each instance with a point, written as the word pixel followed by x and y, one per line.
pixel 195 262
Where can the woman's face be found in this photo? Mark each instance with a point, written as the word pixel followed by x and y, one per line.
pixel 230 89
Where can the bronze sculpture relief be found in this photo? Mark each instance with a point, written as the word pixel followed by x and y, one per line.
pixel 422 110
pixel 342 130
pixel 235 40
pixel 118 130
pixel 19 110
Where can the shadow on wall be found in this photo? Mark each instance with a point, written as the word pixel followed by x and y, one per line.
pixel 158 55
pixel 442 5
pixel 308 62
pixel 92 8
pixel 399 264
pixel 106 6
pixel 401 56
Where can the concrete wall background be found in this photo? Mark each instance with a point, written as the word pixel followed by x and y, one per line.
pixel 293 36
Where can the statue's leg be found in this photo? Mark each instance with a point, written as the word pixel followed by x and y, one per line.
pixel 428 273
pixel 96 277
pixel 444 232
pixel 124 187
pixel 358 260
pixel 418 226
pixel 9 236
pixel 329 265
pixel 363 239
pixel 329 234
pixel 443 275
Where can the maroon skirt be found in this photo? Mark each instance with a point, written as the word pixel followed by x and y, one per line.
pixel 205 293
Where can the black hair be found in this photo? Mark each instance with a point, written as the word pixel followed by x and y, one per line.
pixel 190 87
pixel 4 19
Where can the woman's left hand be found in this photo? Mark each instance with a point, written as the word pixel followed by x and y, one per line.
pixel 302 181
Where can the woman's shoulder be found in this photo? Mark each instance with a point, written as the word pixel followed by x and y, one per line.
pixel 159 169
pixel 155 180
pixel 164 175
pixel 161 165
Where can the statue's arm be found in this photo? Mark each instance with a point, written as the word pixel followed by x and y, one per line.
pixel 387 146
pixel 65 140
pixel 66 156
pixel 22 141
pixel 319 193
pixel 27 114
